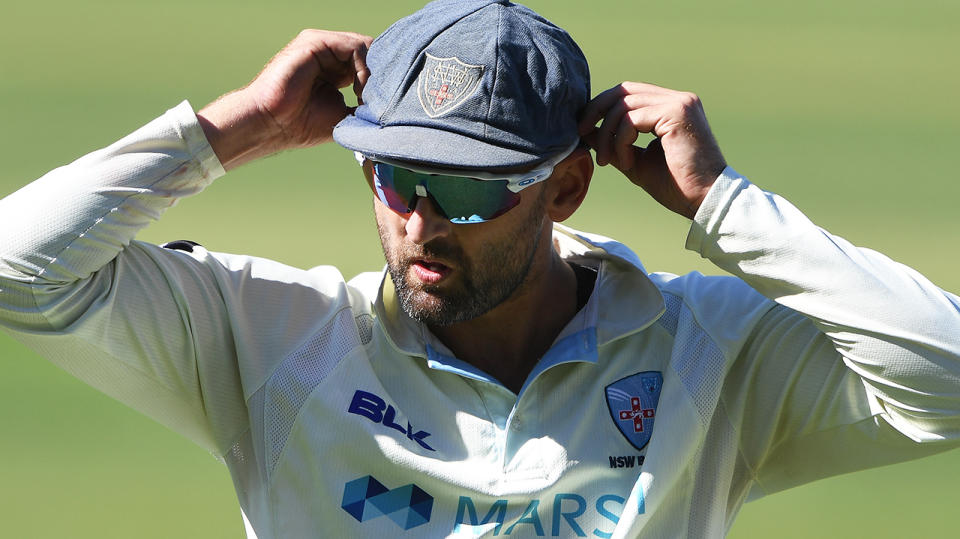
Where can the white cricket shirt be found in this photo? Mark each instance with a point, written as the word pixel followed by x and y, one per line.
pixel 662 406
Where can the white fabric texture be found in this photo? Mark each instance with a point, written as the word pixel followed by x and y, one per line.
pixel 818 358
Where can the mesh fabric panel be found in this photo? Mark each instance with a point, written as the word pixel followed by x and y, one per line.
pixel 700 364
pixel 710 503
pixel 297 377
pixel 364 327
pixel 671 315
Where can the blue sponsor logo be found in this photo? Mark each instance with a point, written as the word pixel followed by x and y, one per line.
pixel 633 405
pixel 565 514
pixel 376 409
pixel 366 498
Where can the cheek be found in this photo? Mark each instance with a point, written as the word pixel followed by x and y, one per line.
pixel 387 220
pixel 386 227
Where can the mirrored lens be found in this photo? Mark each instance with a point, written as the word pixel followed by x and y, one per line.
pixel 466 200
pixel 397 191
pixel 459 199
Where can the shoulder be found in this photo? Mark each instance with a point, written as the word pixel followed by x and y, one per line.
pixel 275 311
pixel 263 293
pixel 247 274
pixel 724 307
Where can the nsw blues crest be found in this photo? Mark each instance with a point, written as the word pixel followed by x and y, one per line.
pixel 633 405
pixel 445 83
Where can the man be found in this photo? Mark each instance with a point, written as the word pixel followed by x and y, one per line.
pixel 505 376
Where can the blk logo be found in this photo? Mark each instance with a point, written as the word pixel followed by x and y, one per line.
pixel 377 410
pixel 366 498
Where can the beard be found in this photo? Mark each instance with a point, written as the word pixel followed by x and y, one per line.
pixel 479 283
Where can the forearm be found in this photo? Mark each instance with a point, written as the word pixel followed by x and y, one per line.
pixel 237 132
pixel 897 331
pixel 77 218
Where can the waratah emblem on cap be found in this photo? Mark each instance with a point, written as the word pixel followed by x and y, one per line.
pixel 445 83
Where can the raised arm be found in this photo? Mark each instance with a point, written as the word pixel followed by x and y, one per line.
pixel 149 326
pixel 861 348
pixel 293 103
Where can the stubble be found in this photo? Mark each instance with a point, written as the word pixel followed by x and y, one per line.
pixel 481 281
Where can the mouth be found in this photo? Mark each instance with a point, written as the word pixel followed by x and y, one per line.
pixel 430 271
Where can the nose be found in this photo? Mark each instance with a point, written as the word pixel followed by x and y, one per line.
pixel 426 223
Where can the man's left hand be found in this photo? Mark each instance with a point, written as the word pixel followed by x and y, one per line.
pixel 677 168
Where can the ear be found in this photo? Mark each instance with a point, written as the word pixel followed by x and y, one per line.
pixel 567 187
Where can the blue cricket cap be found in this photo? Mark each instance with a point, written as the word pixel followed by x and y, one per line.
pixel 470 84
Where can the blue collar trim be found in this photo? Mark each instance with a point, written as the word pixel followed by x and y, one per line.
pixel 443 362
pixel 579 346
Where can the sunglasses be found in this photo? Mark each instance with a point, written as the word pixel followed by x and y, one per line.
pixel 476 198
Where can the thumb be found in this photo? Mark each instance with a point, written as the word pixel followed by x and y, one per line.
pixel 648 163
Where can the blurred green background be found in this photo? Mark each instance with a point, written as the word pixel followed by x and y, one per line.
pixel 848 109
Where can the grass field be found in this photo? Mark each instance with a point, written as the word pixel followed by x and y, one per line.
pixel 848 109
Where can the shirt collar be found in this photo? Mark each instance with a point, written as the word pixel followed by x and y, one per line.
pixel 624 301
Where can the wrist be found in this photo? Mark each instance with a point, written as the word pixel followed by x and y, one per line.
pixel 237 130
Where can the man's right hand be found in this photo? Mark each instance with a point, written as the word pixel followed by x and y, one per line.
pixel 293 103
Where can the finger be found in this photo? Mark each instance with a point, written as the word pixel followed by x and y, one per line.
pixel 590 139
pixel 341 56
pixel 623 146
pixel 649 167
pixel 352 49
pixel 648 118
pixel 598 106
pixel 637 113
pixel 345 44
pixel 614 139
pixel 358 90
pixel 332 98
pixel 647 88
pixel 607 129
pixel 362 72
pixel 331 69
pixel 360 68
pixel 639 93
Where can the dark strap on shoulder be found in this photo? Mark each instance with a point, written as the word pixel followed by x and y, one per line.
pixel 181 245
pixel 586 279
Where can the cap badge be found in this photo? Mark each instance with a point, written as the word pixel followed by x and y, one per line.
pixel 445 83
